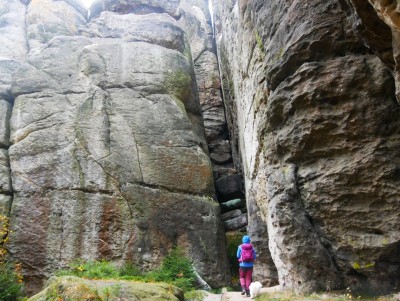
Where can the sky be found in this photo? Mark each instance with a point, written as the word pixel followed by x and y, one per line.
pixel 87 3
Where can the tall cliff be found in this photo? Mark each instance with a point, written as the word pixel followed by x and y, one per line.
pixel 103 148
pixel 309 88
pixel 114 136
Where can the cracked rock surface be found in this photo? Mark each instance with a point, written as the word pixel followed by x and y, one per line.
pixel 310 86
pixel 103 137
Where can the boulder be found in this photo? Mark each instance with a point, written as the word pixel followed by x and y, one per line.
pixel 230 214
pixel 228 187
pixel 220 146
pixel 223 170
pixel 236 223
pixel 232 205
pixel 221 158
pixel 74 288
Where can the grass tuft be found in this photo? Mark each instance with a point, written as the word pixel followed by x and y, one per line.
pixel 176 270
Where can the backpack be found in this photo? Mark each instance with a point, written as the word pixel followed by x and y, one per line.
pixel 247 253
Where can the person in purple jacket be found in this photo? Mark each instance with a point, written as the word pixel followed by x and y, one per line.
pixel 246 256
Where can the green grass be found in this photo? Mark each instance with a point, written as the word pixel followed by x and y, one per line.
pixel 176 269
pixel 259 42
pixel 91 270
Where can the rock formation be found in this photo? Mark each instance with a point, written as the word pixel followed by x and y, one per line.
pixel 309 87
pixel 74 288
pixel 122 124
pixel 102 128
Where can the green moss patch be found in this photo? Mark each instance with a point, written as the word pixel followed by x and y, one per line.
pixel 178 84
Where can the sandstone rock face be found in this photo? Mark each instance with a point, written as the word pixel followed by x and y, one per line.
pixel 13 49
pixel 140 7
pixel 102 133
pixel 310 89
pixel 196 19
pixel 113 131
pixel 12 32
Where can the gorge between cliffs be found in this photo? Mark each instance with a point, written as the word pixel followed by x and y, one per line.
pixel 133 127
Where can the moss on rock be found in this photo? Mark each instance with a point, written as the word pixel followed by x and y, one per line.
pixel 178 84
pixel 70 288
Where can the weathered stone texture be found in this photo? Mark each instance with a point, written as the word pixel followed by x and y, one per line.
pixel 312 95
pixel 107 145
pixel 228 187
pixel 5 114
pixel 5 184
pixel 388 11
pixel 12 31
pixel 265 268
pixel 46 19
pixel 5 204
pixel 139 7
pixel 236 223
pixel 196 20
pixel 13 49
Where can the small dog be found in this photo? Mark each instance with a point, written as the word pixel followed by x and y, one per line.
pixel 255 289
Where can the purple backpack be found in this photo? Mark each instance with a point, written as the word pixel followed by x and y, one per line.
pixel 247 253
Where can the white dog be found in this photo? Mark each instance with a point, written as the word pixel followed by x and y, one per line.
pixel 255 289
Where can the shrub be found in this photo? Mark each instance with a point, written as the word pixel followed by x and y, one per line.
pixel 176 269
pixel 91 269
pixel 10 273
pixel 11 288
pixel 129 270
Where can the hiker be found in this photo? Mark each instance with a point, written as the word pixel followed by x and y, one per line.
pixel 246 255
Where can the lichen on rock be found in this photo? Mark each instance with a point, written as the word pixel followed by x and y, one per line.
pixel 74 288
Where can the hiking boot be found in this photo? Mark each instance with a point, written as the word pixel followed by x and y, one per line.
pixel 243 291
pixel 247 293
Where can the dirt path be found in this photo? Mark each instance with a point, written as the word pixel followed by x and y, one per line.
pixel 236 296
